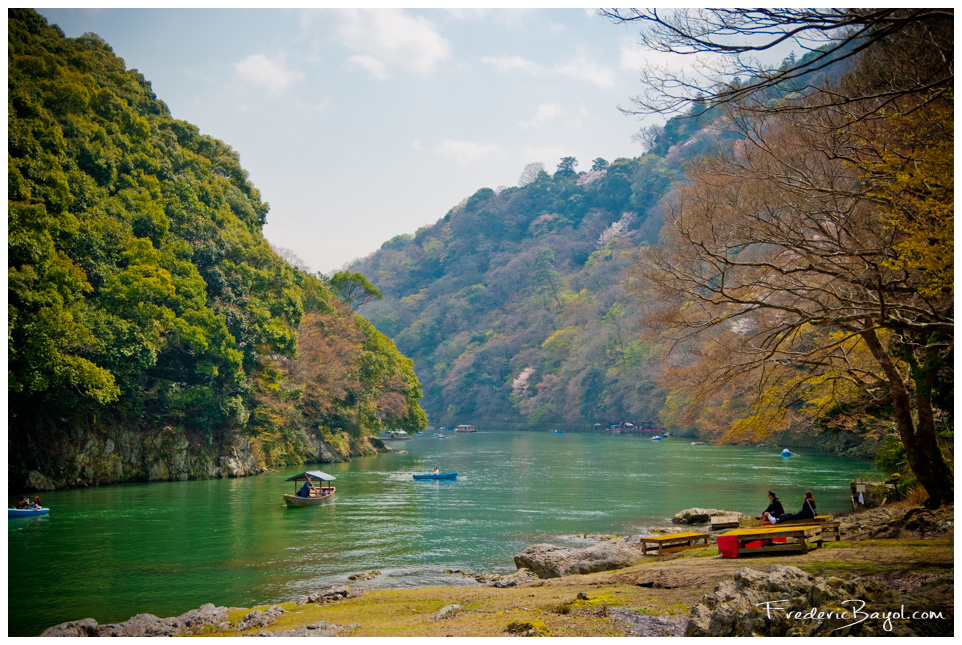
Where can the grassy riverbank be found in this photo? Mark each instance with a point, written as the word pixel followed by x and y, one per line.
pixel 653 598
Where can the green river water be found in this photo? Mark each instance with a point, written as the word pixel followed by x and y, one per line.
pixel 112 552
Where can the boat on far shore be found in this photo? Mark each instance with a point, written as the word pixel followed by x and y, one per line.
pixel 394 435
pixel 465 428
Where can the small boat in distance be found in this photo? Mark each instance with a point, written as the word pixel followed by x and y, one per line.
pixel 465 428
pixel 27 512
pixel 394 435
pixel 437 476
pixel 559 431
pixel 309 494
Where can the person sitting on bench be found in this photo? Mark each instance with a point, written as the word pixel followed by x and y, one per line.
pixel 775 507
pixel 808 511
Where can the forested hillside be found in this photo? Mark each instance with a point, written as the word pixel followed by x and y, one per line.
pixel 512 305
pixel 780 258
pixel 152 331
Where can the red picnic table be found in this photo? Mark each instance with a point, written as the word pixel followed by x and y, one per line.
pixel 768 539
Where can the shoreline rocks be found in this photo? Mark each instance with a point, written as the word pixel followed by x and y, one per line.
pixel 519 577
pixel 786 601
pixel 551 561
pixel 207 618
pixel 700 515
pixel 192 622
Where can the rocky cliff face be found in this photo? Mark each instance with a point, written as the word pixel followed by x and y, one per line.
pixel 85 457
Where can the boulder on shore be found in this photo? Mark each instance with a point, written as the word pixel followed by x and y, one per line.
pixel 700 515
pixel 550 561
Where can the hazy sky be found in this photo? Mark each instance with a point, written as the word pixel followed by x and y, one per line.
pixel 358 125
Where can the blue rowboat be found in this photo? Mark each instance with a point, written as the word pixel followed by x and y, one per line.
pixel 27 512
pixel 437 476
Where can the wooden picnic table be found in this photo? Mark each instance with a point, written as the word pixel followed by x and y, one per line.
pixel 827 522
pixel 719 522
pixel 671 542
pixel 769 539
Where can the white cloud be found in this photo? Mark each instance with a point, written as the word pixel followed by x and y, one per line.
pixel 545 113
pixel 370 64
pixel 465 151
pixel 465 14
pixel 633 57
pixel 582 69
pixel 506 63
pixel 579 68
pixel 392 37
pixel 270 73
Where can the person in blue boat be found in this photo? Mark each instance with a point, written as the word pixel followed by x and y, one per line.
pixel 808 511
pixel 775 507
pixel 435 471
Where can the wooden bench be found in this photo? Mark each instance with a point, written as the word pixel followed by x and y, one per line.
pixel 830 530
pixel 769 539
pixel 673 542
pixel 719 522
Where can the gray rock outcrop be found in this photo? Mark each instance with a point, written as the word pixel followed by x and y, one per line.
pixel 520 576
pixel 551 561
pixel 259 618
pixel 141 625
pixel 700 515
pixel 786 601
pixel 450 611
pixel 330 595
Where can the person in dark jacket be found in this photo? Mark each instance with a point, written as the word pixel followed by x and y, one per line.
pixel 306 489
pixel 775 507
pixel 808 510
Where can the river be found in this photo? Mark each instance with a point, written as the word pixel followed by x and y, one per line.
pixel 165 548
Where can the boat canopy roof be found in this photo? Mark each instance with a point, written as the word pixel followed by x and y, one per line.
pixel 312 474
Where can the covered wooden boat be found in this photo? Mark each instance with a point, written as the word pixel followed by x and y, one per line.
pixel 310 494
pixel 27 512
pixel 437 476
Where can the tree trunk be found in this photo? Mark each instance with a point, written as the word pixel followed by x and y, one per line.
pixel 920 442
